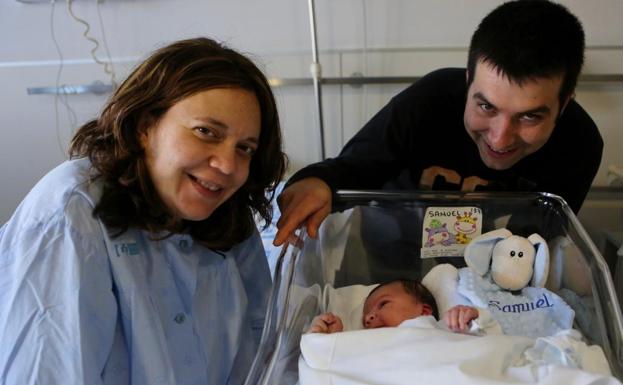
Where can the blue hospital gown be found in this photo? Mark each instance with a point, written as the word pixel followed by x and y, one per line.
pixel 79 307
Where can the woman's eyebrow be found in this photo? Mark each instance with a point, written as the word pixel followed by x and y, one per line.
pixel 252 139
pixel 224 126
pixel 212 121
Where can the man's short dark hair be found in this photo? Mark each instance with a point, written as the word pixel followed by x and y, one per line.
pixel 530 39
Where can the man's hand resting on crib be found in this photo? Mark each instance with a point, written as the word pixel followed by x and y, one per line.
pixel 307 201
pixel 458 318
pixel 326 323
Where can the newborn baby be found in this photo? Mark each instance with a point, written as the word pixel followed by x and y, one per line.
pixel 394 302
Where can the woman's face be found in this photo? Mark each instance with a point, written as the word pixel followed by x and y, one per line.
pixel 198 154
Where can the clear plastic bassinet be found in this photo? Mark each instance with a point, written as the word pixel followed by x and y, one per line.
pixel 377 236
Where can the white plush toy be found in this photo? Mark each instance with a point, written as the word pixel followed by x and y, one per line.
pixel 506 274
pixel 514 261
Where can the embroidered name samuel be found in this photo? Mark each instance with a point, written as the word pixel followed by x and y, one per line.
pixel 540 303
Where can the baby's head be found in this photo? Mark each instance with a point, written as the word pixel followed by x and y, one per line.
pixel 391 303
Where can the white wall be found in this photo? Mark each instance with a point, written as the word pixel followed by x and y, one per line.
pixel 403 38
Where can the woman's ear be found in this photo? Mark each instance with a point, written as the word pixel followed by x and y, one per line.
pixel 143 128
pixel 142 138
pixel 145 125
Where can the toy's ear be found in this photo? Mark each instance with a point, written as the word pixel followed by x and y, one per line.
pixel 478 251
pixel 541 260
pixel 442 282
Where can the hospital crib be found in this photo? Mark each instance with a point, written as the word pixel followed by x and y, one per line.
pixel 377 236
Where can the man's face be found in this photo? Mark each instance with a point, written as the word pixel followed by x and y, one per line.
pixel 508 121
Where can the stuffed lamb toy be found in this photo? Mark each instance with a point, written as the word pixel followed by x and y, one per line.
pixel 505 274
pixel 514 261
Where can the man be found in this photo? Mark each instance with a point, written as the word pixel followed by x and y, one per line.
pixel 507 122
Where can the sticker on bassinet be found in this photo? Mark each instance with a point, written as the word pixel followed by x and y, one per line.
pixel 447 230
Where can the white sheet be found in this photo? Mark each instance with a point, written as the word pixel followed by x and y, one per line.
pixel 419 352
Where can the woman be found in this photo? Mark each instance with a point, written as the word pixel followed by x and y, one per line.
pixel 138 261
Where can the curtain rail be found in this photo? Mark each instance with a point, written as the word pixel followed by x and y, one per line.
pixel 361 80
pixel 99 88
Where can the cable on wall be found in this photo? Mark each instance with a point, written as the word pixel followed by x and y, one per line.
pixel 57 95
pixel 113 78
pixel 108 69
pixel 62 91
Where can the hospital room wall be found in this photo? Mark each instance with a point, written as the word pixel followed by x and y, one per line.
pixel 369 37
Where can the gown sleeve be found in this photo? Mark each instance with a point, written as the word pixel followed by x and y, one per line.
pixel 58 310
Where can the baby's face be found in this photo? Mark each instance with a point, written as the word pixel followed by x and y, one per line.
pixel 390 305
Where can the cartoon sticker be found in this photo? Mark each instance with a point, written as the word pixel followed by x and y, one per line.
pixel 447 230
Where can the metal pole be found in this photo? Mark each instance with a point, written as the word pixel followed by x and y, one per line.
pixel 316 72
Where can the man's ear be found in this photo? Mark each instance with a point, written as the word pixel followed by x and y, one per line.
pixel 565 103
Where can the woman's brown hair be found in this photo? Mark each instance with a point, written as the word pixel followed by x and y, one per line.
pixel 112 143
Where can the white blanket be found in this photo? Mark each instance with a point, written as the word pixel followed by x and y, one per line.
pixel 421 352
